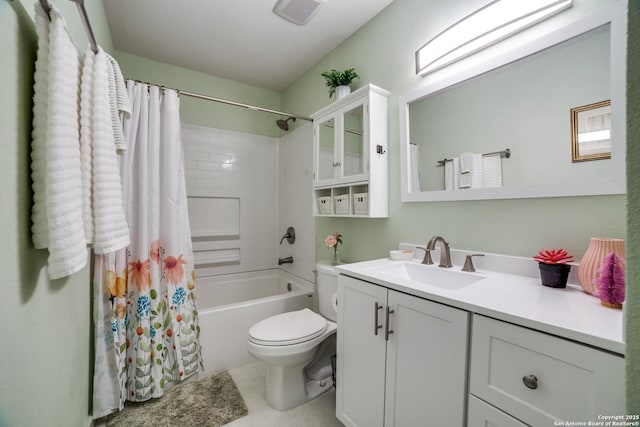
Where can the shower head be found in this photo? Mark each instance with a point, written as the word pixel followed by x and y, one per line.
pixel 282 124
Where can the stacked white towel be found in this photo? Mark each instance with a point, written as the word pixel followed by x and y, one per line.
pixel 111 232
pixel 63 191
pixel 39 227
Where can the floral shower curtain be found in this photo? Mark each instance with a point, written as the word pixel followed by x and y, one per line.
pixel 146 320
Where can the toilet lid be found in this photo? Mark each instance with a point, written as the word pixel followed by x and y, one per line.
pixel 288 328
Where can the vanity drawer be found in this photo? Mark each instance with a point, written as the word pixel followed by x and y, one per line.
pixel 481 414
pixel 539 378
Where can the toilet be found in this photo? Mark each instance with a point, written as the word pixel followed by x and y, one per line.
pixel 297 346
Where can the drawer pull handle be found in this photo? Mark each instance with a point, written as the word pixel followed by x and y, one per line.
pixel 530 381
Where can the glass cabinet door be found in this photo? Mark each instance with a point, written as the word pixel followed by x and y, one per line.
pixel 326 150
pixel 353 144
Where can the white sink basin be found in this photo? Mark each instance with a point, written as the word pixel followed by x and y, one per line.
pixel 445 278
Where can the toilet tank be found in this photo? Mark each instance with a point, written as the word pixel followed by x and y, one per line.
pixel 327 281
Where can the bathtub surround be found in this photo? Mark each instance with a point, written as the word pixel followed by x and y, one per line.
pixel 147 331
pixel 213 401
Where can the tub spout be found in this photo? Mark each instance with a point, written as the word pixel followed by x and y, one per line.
pixel 287 260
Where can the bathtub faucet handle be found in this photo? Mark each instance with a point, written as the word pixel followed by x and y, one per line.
pixel 290 235
pixel 287 260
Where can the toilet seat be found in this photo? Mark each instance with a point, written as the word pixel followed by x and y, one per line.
pixel 288 328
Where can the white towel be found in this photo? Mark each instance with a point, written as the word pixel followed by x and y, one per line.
pixel 122 96
pixel 465 174
pixel 63 193
pixel 477 171
pixel 472 178
pixel 414 184
pixel 39 230
pixel 86 143
pixel 451 168
pixel 492 171
pixel 111 232
pixel 466 161
pixel 119 103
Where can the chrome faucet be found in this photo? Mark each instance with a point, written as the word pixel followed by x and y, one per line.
pixel 445 253
pixel 287 260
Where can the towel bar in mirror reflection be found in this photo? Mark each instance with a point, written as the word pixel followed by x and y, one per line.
pixel 521 98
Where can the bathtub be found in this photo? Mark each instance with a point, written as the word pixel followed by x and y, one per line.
pixel 229 304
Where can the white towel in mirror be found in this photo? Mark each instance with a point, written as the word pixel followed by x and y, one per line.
pixel 451 168
pixel 466 162
pixel 492 171
pixel 414 184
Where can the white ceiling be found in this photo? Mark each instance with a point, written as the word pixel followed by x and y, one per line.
pixel 242 40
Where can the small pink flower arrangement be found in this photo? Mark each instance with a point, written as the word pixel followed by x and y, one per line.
pixel 553 256
pixel 332 241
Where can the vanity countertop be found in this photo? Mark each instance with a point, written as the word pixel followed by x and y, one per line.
pixel 568 312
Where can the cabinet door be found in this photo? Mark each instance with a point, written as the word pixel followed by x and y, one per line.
pixel 426 363
pixel 325 161
pixel 354 147
pixel 361 353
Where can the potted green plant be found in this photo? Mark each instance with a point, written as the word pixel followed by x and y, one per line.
pixel 339 81
pixel 554 270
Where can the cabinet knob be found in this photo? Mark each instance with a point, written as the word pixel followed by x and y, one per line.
pixel 530 381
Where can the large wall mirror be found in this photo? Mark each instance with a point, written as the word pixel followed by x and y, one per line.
pixel 519 104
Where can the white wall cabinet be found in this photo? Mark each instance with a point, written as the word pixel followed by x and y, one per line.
pixel 541 379
pixel 350 165
pixel 401 359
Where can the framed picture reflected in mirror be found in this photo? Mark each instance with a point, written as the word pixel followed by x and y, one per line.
pixel 591 132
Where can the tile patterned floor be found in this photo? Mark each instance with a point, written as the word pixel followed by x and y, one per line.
pixel 320 412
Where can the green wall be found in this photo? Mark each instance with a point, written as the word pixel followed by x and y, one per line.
pixel 382 53
pixel 46 331
pixel 206 113
pixel 632 305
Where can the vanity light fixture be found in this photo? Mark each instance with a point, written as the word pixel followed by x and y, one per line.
pixel 493 22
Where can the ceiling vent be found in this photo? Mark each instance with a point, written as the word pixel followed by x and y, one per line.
pixel 297 11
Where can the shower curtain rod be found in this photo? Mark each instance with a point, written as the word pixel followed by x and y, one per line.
pixel 226 101
pixel 85 20
pixel 94 46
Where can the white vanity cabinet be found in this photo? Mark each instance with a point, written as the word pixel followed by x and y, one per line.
pixel 402 360
pixel 538 378
pixel 350 155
